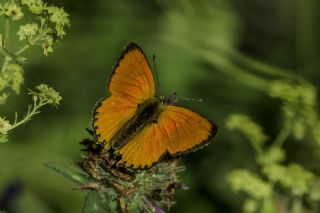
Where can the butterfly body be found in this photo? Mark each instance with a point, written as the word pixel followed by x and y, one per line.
pixel 139 126
pixel 146 114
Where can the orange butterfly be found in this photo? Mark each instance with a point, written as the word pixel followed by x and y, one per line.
pixel 139 126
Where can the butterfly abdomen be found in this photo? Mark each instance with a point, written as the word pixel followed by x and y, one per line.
pixel 146 114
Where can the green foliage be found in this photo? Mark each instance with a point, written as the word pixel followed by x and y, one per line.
pixel 250 129
pixel 94 204
pixel 43 96
pixel 271 155
pixel 11 10
pixel 227 51
pixel 299 109
pixel 243 180
pixel 72 172
pixel 47 27
pixel 250 206
pixel 298 102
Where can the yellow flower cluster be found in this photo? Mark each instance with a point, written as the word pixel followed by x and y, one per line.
pixel 11 10
pixel 46 29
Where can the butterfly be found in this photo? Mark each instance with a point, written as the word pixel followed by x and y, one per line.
pixel 140 127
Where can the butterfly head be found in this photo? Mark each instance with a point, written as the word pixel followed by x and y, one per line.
pixel 169 100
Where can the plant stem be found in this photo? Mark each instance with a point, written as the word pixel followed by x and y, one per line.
pixel 5 63
pixel 31 112
pixel 296 206
pixel 257 148
pixel 22 49
pixel 283 134
pixel 4 44
pixel 219 60
pixel 5 38
pixel 234 71
pixel 29 45
pixel 268 205
pixel 252 63
pixel 260 66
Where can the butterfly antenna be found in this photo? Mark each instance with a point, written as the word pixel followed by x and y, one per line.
pixel 155 68
pixel 194 99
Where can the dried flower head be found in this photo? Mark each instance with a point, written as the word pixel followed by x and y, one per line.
pixel 131 191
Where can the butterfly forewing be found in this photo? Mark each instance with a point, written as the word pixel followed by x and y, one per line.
pixel 130 85
pixel 132 78
pixel 111 114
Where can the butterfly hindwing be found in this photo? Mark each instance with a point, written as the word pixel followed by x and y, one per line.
pixel 177 130
pixel 130 85
pixel 145 149
pixel 184 129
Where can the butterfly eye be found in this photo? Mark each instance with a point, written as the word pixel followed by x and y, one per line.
pixel 154 120
pixel 139 105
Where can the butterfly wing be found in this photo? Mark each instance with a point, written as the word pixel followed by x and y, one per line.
pixel 132 79
pixel 184 130
pixel 131 84
pixel 178 130
pixel 143 150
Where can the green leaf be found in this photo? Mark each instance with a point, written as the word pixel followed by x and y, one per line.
pixel 94 203
pixel 70 171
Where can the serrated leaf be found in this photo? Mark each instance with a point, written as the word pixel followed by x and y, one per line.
pixel 93 203
pixel 70 171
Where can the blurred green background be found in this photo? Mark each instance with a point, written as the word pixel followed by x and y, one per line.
pixel 203 49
